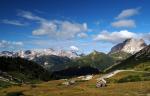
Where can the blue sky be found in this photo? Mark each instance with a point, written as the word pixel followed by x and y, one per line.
pixel 83 25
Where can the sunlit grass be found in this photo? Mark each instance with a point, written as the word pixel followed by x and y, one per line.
pixel 87 88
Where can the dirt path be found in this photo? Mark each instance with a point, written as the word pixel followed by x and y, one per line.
pixel 115 72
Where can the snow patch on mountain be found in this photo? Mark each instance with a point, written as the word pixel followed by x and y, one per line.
pixel 31 54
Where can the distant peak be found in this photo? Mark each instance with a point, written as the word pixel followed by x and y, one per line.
pixel 130 45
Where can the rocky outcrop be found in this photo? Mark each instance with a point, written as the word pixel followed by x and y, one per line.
pixel 138 61
pixel 129 46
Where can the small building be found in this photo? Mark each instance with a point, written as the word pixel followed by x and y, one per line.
pixel 101 83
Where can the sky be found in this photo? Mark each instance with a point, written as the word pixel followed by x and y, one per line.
pixel 81 25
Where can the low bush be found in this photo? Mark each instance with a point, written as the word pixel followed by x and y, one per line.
pixel 15 94
pixel 130 78
pixel 4 84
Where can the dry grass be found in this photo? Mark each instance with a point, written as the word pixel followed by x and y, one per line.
pixel 53 88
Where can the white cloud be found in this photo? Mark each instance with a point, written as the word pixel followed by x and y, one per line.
pixel 10 45
pixel 115 37
pixel 55 29
pixel 13 22
pixel 74 48
pixel 29 15
pixel 128 13
pixel 82 35
pixel 60 29
pixel 124 23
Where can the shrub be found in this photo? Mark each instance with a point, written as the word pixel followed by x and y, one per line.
pixel 15 94
pixel 130 78
pixel 4 84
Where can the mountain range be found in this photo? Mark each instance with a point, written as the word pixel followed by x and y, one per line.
pixel 57 61
pixel 31 54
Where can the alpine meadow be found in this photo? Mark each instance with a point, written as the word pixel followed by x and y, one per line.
pixel 74 48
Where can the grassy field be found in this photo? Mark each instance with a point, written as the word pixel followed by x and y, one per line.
pixel 87 88
pixel 128 76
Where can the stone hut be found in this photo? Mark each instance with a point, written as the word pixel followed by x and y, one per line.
pixel 101 83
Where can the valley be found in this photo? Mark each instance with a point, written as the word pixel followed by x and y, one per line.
pixel 74 48
pixel 122 73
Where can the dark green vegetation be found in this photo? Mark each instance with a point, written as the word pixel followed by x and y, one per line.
pixel 90 64
pixel 74 71
pixel 62 67
pixel 130 76
pixel 15 94
pixel 20 70
pixel 119 56
pixel 95 59
pixel 52 62
pixel 134 78
pixel 138 61
pixel 4 84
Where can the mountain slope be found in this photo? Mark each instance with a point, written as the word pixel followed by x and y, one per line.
pixel 23 70
pixel 95 59
pixel 119 56
pixel 49 62
pixel 138 61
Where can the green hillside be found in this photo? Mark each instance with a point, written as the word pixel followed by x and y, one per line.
pixel 129 76
pixel 118 56
pixel 21 70
pixel 138 61
pixel 53 62
pixel 95 59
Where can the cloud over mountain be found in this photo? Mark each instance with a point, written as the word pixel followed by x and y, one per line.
pixel 114 37
pixel 4 45
pixel 74 48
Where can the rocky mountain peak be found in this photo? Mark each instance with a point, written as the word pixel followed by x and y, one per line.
pixel 130 45
pixel 31 54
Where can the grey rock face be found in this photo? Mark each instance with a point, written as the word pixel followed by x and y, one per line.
pixel 129 46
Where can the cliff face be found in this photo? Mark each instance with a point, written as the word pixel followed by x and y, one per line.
pixel 129 46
